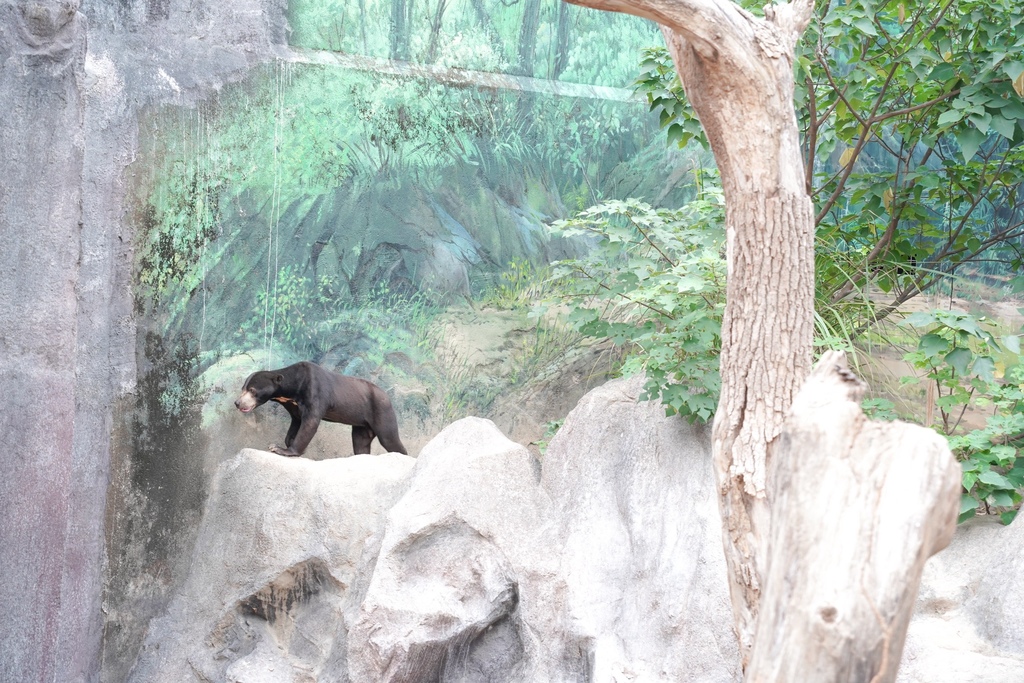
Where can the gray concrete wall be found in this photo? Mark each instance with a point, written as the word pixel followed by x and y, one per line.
pixel 145 55
pixel 102 484
pixel 74 81
pixel 49 545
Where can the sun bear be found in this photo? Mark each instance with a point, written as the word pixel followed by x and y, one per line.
pixel 310 394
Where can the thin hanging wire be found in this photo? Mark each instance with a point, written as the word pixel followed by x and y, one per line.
pixel 204 144
pixel 273 237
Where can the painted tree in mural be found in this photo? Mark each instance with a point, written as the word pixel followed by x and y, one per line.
pixel 812 592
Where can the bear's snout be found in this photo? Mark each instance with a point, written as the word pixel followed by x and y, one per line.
pixel 246 402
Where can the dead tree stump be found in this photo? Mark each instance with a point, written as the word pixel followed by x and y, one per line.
pixel 857 507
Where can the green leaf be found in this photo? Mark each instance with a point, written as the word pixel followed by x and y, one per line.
pixel 968 503
pixel 1001 499
pixel 960 321
pixel 1013 69
pixel 959 358
pixel 920 319
pixel 981 121
pixel 932 345
pixel 970 140
pixel 691 283
pixel 942 73
pixel 675 133
pixel 995 479
pixel 950 117
pixel 866 26
pixel 985 368
pixel 916 55
pixel 1008 516
pixel 1004 126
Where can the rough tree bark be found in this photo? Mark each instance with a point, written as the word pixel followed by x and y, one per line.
pixel 737 71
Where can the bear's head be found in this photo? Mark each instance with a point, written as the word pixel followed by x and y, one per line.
pixel 259 388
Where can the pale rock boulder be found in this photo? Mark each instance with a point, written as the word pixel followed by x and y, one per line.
pixel 478 562
pixel 603 565
pixel 968 623
pixel 465 587
pixel 995 555
pixel 639 539
pixel 278 558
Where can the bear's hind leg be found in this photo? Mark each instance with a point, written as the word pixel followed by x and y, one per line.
pixel 361 439
pixel 392 443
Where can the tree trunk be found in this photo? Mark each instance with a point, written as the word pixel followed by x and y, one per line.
pixel 766 352
pixel 362 26
pixel 528 36
pixel 562 42
pixel 737 70
pixel 483 18
pixel 400 28
pixel 855 504
pixel 435 31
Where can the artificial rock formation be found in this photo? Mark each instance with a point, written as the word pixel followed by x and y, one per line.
pixel 639 537
pixel 74 78
pixel 967 625
pixel 458 588
pixel 53 480
pixel 280 550
pixel 602 564
pixel 477 562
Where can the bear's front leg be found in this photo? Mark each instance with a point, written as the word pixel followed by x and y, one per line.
pixel 293 429
pixel 301 440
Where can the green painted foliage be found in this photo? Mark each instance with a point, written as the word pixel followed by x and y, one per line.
pixel 274 146
pixel 545 39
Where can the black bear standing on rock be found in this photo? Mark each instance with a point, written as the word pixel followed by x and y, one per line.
pixel 310 394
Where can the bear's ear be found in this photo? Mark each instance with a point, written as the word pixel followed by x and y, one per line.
pixel 278 379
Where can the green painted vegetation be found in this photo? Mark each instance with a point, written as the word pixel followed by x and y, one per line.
pixel 282 188
pixel 361 205
pixel 536 38
pixel 338 210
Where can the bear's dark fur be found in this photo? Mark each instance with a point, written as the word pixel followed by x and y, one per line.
pixel 310 394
